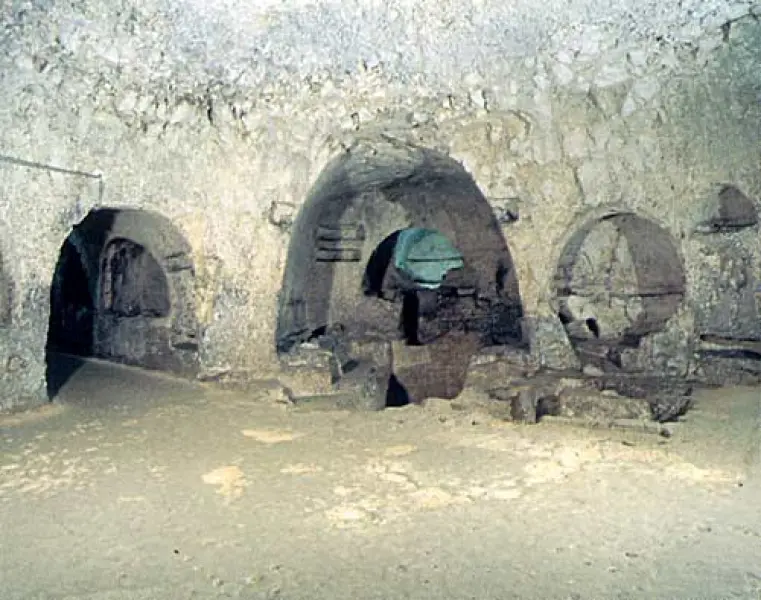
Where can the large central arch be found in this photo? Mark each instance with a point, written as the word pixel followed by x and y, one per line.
pixel 356 206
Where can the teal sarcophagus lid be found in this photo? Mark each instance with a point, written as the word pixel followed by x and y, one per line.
pixel 426 256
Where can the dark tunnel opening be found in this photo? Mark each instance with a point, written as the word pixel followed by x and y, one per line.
pixel 122 291
pixel 72 309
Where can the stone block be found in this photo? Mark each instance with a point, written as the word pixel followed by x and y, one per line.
pixel 550 344
pixel 523 409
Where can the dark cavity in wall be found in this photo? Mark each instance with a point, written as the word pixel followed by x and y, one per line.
pixel 341 274
pixel 727 307
pixel 6 296
pixel 620 278
pixel 123 290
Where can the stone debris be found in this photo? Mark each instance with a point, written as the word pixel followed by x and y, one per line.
pixel 574 135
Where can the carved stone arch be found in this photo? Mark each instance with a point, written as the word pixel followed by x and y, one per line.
pixel 150 320
pixel 370 191
pixel 619 277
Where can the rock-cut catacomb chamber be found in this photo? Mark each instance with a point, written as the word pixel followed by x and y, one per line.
pixel 397 261
pixel 123 290
pixel 619 279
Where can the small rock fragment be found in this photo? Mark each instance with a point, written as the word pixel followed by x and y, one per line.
pixel 524 406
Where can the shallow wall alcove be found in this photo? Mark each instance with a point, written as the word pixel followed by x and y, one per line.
pixel 6 295
pixel 123 290
pixel 362 200
pixel 619 278
pixel 725 245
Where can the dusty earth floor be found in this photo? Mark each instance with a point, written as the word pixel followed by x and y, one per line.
pixel 136 486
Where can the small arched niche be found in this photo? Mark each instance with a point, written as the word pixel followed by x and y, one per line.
pixel 619 278
pixel 133 284
pixel 347 232
pixel 727 209
pixel 123 290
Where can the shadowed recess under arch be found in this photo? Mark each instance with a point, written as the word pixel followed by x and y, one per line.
pixel 365 195
pixel 123 290
pixel 619 278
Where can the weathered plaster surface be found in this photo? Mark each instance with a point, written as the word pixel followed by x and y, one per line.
pixel 221 117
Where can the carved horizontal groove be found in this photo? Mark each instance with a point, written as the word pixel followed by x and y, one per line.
pixel 656 292
pixel 337 245
pixel 336 233
pixel 338 255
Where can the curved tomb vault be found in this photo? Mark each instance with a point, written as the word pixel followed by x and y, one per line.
pixel 123 290
pixel 619 278
pixel 396 246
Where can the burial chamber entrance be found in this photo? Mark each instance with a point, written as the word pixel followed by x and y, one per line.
pixel 619 279
pixel 123 290
pixel 397 263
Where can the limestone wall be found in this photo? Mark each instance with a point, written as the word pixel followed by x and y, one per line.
pixel 222 122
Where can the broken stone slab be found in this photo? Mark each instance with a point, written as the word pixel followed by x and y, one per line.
pixel 524 406
pixel 550 344
pixel 634 425
pixel 643 426
pixel 528 403
pixel 365 391
pixel 486 376
pixel 437 370
pixel 367 385
pixel 519 357
pixel 270 389
pixel 643 387
pixel 602 407
pixel 668 408
pixel 471 402
pixel 325 402
pixel 664 400
pixel 306 381
pixel 308 355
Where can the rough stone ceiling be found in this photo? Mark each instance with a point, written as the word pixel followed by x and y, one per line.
pixel 432 44
pixel 443 38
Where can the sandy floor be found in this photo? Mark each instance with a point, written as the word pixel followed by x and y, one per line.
pixel 136 486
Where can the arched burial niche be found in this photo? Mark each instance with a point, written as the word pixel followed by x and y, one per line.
pixel 727 209
pixel 123 290
pixel 619 279
pixel 348 230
